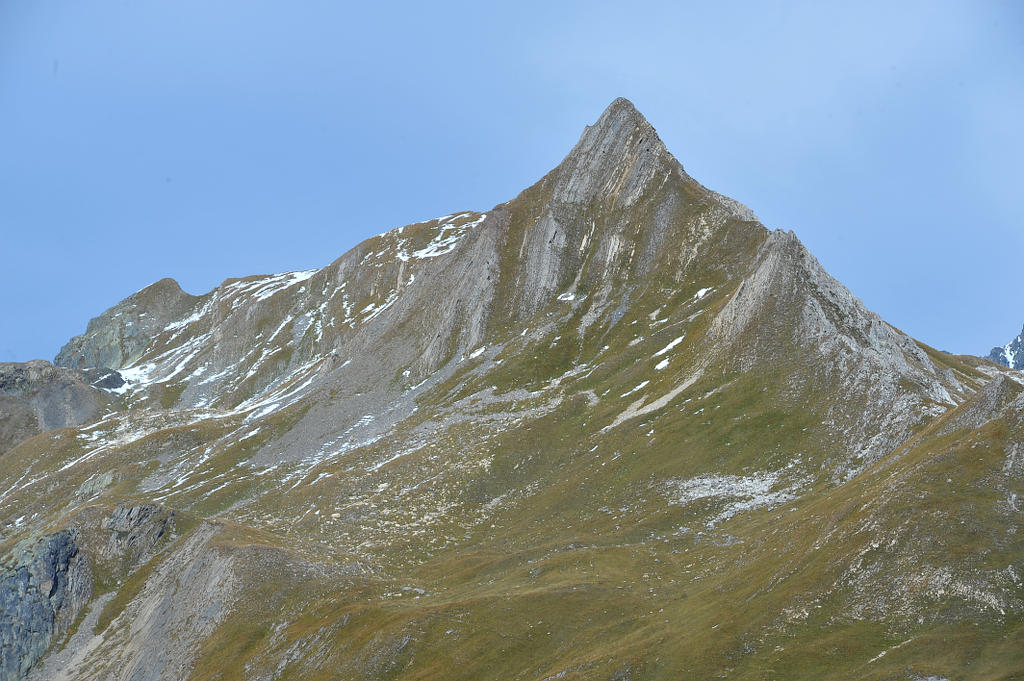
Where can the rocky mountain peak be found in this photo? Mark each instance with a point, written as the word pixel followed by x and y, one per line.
pixel 117 337
pixel 1010 355
pixel 621 116
pixel 614 160
pixel 616 399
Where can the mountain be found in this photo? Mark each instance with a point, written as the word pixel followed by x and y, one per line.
pixel 614 428
pixel 1010 355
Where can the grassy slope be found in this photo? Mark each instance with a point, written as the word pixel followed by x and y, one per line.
pixel 557 584
pixel 595 572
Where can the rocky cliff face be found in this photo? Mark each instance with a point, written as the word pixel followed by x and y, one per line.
pixel 36 397
pixel 41 593
pixel 1010 355
pixel 550 440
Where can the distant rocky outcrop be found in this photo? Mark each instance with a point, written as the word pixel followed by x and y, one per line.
pixel 37 396
pixel 1010 355
pixel 120 334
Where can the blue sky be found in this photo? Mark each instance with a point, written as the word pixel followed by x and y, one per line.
pixel 203 140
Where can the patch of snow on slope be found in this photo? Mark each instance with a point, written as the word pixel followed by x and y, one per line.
pixel 280 282
pixel 372 310
pixel 133 377
pixel 162 368
pixel 446 238
pixel 194 317
pixel 639 387
pixel 668 347
pixel 638 408
pixel 284 393
pixel 351 439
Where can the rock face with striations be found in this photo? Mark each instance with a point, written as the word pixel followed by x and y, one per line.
pixel 613 427
pixel 41 594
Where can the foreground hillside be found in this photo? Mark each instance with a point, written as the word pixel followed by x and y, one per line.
pixel 612 429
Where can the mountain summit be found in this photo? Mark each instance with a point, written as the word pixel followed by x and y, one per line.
pixel 1010 355
pixel 613 428
pixel 615 160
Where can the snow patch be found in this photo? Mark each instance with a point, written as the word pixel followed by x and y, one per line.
pixel 447 237
pixel 639 387
pixel 281 282
pixel 671 345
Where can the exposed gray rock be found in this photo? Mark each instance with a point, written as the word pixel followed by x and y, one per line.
pixel 41 594
pixel 614 161
pixel 37 396
pixel 119 335
pixel 61 663
pixel 128 537
pixel 108 379
pixel 1010 355
pixel 134 531
pixel 789 308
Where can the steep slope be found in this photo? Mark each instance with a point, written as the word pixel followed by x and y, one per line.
pixel 1010 355
pixel 612 428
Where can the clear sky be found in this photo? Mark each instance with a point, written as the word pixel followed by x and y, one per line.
pixel 204 140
